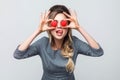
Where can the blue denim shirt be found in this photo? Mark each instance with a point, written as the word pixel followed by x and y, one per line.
pixel 53 62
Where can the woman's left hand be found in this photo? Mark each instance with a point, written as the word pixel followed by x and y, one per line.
pixel 73 20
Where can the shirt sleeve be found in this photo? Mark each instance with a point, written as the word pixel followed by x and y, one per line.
pixel 86 49
pixel 32 50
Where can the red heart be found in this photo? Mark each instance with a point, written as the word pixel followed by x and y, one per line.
pixel 53 23
pixel 63 23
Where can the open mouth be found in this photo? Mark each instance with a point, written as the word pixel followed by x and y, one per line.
pixel 59 32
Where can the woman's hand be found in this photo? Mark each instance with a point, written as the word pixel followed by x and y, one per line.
pixel 73 20
pixel 43 26
pixel 75 25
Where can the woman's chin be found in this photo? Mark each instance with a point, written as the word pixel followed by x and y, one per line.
pixel 59 37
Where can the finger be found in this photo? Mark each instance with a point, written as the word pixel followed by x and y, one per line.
pixel 70 11
pixel 66 14
pixel 71 27
pixel 51 28
pixel 41 17
pixel 44 15
pixel 49 20
pixel 47 14
pixel 66 27
pixel 69 19
pixel 75 14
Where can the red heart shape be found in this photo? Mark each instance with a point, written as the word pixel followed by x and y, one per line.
pixel 53 23
pixel 63 23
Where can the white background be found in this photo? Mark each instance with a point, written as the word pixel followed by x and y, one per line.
pixel 100 18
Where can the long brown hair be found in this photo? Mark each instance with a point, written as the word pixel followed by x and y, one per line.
pixel 67 49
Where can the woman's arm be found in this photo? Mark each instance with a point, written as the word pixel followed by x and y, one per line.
pixel 28 41
pixel 75 25
pixel 88 38
pixel 25 49
pixel 41 28
pixel 90 49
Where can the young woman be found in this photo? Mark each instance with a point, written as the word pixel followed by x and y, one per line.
pixel 58 52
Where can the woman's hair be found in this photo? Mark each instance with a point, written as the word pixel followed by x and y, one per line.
pixel 67 49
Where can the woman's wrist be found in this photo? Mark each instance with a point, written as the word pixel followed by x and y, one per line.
pixel 78 28
pixel 37 32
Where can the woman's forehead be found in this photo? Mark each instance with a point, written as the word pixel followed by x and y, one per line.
pixel 60 16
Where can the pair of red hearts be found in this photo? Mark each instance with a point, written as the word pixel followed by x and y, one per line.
pixel 63 23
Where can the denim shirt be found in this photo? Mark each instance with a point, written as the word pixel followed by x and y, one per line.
pixel 54 64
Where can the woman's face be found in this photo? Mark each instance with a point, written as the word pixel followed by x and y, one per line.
pixel 59 32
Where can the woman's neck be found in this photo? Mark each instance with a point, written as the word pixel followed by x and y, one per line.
pixel 58 44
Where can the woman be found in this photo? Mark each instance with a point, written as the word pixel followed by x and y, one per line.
pixel 58 52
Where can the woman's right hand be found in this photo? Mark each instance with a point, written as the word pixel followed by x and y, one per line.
pixel 43 26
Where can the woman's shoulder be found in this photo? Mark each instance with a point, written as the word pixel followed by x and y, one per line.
pixel 42 40
pixel 74 38
pixel 77 40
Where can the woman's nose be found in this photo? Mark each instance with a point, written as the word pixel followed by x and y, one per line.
pixel 58 26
